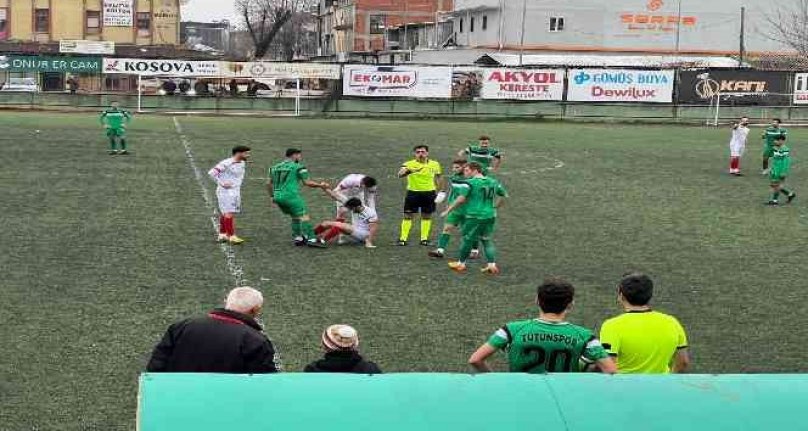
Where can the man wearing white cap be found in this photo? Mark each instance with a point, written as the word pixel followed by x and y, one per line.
pixel 341 345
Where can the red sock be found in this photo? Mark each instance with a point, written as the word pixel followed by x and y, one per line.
pixel 738 163
pixel 734 163
pixel 231 226
pixel 222 225
pixel 334 231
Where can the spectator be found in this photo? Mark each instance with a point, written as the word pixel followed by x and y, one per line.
pixel 252 88
pixel 549 343
pixel 72 84
pixel 170 87
pixel 185 85
pixel 201 88
pixel 227 340
pixel 643 340
pixel 233 88
pixel 341 344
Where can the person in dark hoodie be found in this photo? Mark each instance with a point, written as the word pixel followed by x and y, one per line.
pixel 226 340
pixel 341 345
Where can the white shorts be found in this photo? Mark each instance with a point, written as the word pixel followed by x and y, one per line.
pixel 229 200
pixel 736 150
pixel 360 234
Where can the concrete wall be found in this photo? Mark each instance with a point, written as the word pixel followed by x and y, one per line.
pixel 402 108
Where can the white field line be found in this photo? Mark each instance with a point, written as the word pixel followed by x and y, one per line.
pixel 233 267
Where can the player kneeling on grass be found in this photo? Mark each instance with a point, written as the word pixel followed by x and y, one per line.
pixel 780 167
pixel 229 175
pixel 548 344
pixel 454 220
pixel 114 121
pixel 363 227
pixel 480 196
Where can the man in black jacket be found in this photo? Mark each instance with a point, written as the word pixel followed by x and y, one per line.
pixel 227 340
pixel 341 344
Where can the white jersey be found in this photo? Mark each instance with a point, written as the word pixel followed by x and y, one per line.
pixel 738 142
pixel 739 135
pixel 351 187
pixel 361 222
pixel 228 171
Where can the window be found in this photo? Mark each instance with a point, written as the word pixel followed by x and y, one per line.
pixel 471 25
pixel 93 22
pixel 3 23
pixel 42 20
pixel 461 25
pixel 556 24
pixel 485 22
pixel 376 24
pixel 143 23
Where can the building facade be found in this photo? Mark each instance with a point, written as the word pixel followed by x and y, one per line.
pixel 349 27
pixel 136 22
pixel 214 36
pixel 659 26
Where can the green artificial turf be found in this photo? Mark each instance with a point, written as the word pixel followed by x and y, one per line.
pixel 100 253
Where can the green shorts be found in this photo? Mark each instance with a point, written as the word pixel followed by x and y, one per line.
pixel 116 132
pixel 292 206
pixel 455 218
pixel 776 177
pixel 768 151
pixel 478 229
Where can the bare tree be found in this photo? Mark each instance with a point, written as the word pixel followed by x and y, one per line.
pixel 788 24
pixel 264 19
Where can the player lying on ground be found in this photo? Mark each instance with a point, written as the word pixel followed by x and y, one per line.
pixel 114 121
pixel 781 166
pixel 483 153
pixel 481 196
pixel 362 229
pixel 284 188
pixel 229 175
pixel 737 145
pixel 454 220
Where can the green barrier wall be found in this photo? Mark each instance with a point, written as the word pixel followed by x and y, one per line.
pixel 488 109
pixel 502 402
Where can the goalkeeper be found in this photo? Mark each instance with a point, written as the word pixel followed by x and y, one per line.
pixel 114 121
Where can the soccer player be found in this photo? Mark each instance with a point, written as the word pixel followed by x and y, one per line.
pixel 284 187
pixel 769 135
pixel 548 344
pixel 423 180
pixel 481 196
pixel 363 227
pixel 454 220
pixel 781 165
pixel 488 157
pixel 229 175
pixel 737 145
pixel 114 121
pixel 643 340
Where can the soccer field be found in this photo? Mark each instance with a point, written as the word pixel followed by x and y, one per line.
pixel 100 254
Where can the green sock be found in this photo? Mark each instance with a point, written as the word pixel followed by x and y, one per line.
pixel 296 231
pixel 465 248
pixel 123 144
pixel 112 144
pixel 774 196
pixel 785 192
pixel 443 240
pixel 308 230
pixel 490 251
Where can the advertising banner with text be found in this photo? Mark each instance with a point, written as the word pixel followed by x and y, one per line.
pixel 508 84
pixel 736 86
pixel 147 67
pixel 30 63
pixel 397 81
pixel 118 13
pixel 273 70
pixel 620 85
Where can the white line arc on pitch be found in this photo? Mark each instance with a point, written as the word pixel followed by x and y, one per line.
pixel 229 254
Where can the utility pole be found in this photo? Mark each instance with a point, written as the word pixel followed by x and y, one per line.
pixel 678 28
pixel 742 52
pixel 522 37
